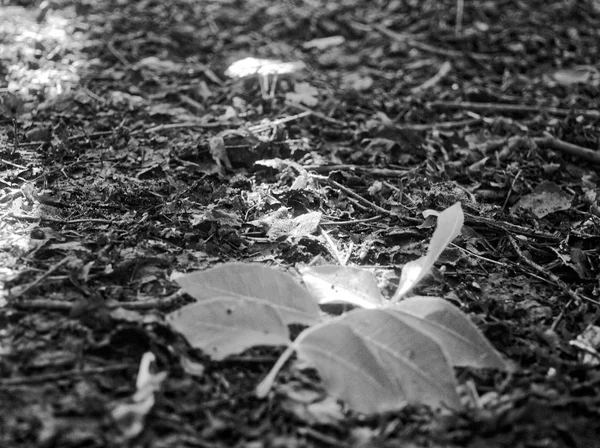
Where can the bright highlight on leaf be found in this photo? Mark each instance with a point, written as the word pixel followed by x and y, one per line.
pixel 449 225
pixel 451 329
pixel 335 284
pixel 226 326
pixel 240 306
pixel 375 362
pixel 254 283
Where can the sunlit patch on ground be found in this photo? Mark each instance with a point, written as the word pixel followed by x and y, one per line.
pixel 40 66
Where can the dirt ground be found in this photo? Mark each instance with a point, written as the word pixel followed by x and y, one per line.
pixel 131 151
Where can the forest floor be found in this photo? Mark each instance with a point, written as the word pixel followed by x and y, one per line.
pixel 130 154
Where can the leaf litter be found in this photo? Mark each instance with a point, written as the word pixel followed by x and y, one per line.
pixel 129 157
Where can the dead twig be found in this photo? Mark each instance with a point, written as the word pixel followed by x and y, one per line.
pixel 60 305
pixel 117 54
pixel 352 221
pixel 450 54
pixel 351 193
pixel 266 126
pixel 441 74
pixel 55 376
pixel 61 221
pixel 549 275
pixel 186 124
pixel 316 114
pixel 548 141
pixel 385 172
pixel 511 108
pixel 65 260
pixel 508 227
pixel 551 142
pixel 21 167
pixel 440 125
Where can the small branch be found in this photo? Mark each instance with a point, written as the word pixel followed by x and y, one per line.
pixel 60 305
pixel 508 227
pixel 440 125
pixel 551 142
pixel 352 221
pixel 43 378
pixel 316 114
pixel 450 54
pixel 544 272
pixel 187 124
pixel 265 126
pixel 441 74
pixel 117 54
pixel 61 221
pixel 386 172
pixel 65 260
pixel 356 196
pixel 21 167
pixel 511 108
pixel 460 10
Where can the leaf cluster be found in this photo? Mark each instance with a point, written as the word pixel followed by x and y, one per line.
pixel 378 357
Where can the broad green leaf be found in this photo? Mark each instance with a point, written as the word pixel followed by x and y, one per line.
pixel 449 225
pixel 332 283
pixel 254 284
pixel 376 362
pixel 224 326
pixel 451 329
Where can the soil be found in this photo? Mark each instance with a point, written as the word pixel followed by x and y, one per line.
pixel 131 152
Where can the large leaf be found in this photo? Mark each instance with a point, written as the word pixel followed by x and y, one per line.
pixel 224 326
pixel 376 362
pixel 449 225
pixel 451 329
pixel 255 284
pixel 331 284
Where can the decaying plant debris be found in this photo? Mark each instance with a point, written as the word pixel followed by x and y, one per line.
pixel 133 150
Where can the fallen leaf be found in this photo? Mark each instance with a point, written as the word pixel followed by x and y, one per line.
pixel 449 225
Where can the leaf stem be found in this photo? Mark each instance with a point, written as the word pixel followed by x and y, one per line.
pixel 265 385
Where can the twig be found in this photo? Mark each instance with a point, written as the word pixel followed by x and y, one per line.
pixel 43 276
pixel 473 254
pixel 61 221
pixel 352 221
pixel 544 272
pixel 16 136
pixel 442 72
pixel 60 305
pixel 90 136
pixel 45 377
pixel 316 114
pixel 385 172
pixel 265 126
pixel 551 142
pixel 186 124
pixel 460 10
pixel 117 54
pixel 510 190
pixel 511 108
pixel 440 125
pixel 548 141
pixel 353 194
pixel 450 54
pixel 21 167
pixel 508 227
